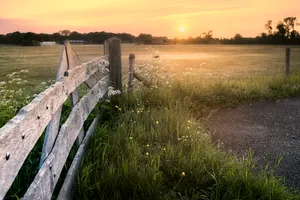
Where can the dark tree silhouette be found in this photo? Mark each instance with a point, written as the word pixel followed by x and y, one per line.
pixel 289 24
pixel 268 27
pixel 65 32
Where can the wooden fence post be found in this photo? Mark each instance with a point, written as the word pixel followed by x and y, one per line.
pixel 105 45
pixel 115 62
pixel 131 71
pixel 53 127
pixel 74 97
pixel 287 62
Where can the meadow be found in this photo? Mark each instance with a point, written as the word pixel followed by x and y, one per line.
pixel 195 60
pixel 152 143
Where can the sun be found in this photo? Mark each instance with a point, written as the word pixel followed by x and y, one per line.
pixel 182 29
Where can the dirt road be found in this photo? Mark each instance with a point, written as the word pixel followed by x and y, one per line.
pixel 270 129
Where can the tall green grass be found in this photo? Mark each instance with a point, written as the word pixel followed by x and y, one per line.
pixel 166 119
pixel 203 95
pixel 152 147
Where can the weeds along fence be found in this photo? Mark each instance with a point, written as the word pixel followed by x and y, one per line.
pixel 20 134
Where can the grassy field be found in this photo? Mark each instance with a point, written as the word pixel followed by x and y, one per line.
pixel 152 144
pixel 195 60
pixel 155 145
pixel 25 71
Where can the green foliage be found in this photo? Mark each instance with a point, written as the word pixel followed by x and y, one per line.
pixel 121 163
pixel 13 97
pixel 30 43
pixel 33 39
pixel 206 95
pixel 145 38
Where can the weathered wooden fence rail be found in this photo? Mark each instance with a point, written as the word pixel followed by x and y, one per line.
pixel 20 134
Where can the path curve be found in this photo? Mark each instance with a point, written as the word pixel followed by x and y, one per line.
pixel 270 129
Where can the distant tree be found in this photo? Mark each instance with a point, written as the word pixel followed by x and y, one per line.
pixel 57 37
pixel 208 35
pixel 145 38
pixel 30 36
pixel 238 37
pixel 75 36
pixel 65 32
pixel 294 35
pixel 289 24
pixel 264 36
pixel 204 38
pixel 13 38
pixel 46 37
pixel 282 31
pixel 30 43
pixel 268 27
pixel 2 37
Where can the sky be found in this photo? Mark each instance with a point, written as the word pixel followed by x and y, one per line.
pixel 157 17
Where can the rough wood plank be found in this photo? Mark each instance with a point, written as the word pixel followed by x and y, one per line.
pixel 105 46
pixel 98 76
pixel 93 80
pixel 115 62
pixel 142 79
pixel 19 135
pixel 67 190
pixel 44 183
pixel 131 71
pixel 73 61
pixel 53 126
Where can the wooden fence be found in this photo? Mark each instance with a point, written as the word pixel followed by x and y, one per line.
pixel 20 134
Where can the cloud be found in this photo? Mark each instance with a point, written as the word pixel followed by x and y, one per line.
pixel 200 10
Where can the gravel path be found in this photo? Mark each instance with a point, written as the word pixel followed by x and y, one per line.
pixel 270 129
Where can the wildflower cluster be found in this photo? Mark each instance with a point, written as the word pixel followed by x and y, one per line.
pixel 112 91
pixel 14 94
pixel 156 70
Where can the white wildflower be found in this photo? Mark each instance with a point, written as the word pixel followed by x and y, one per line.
pixel 24 71
pixel 112 92
pixel 16 80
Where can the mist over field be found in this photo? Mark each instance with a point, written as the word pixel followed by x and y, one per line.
pixel 200 61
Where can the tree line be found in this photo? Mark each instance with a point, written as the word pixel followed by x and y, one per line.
pixel 284 32
pixel 33 39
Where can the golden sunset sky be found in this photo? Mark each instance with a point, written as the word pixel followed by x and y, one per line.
pixel 157 17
